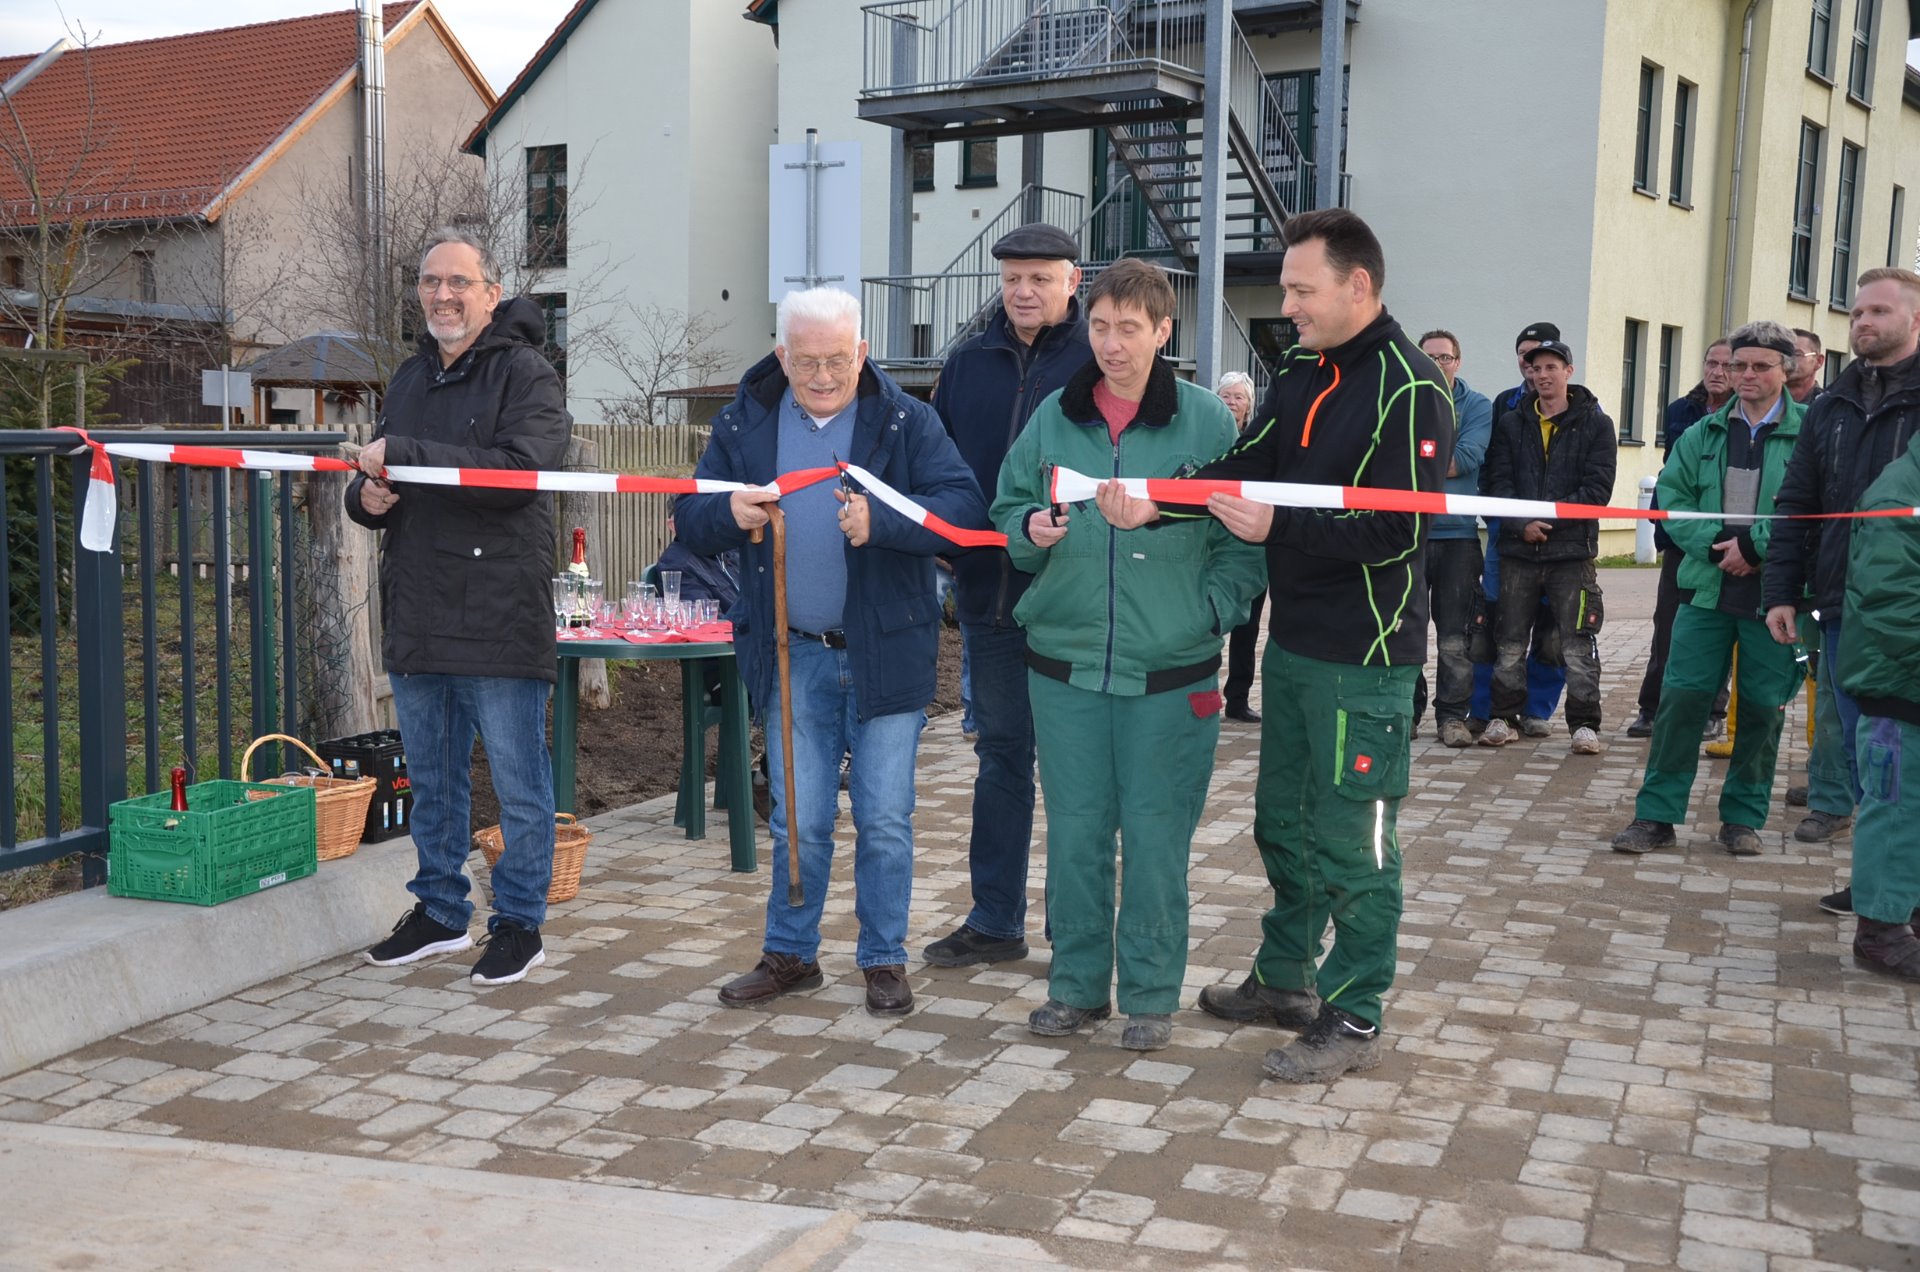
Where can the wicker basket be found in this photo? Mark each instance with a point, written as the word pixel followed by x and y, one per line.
pixel 570 840
pixel 339 803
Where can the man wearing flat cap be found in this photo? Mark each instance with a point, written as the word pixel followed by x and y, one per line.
pixel 1730 463
pixel 1034 343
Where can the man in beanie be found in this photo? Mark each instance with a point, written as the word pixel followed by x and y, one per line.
pixel 1034 343
pixel 1730 463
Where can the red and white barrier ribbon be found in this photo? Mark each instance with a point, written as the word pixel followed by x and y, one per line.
pixel 921 516
pixel 1068 486
pixel 1072 487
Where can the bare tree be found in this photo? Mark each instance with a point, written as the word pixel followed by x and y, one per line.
pixel 655 349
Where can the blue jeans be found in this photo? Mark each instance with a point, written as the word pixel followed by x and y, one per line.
pixel 1849 708
pixel 826 726
pixel 1003 791
pixel 439 717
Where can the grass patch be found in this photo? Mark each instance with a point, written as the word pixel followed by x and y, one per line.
pixel 1625 561
pixel 31 703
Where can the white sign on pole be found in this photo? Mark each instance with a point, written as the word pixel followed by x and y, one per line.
pixel 226 390
pixel 836 220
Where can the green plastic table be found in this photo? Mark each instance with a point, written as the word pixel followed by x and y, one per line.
pixel 732 788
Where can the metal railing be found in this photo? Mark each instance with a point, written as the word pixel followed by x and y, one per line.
pixel 918 319
pixel 1238 354
pixel 1256 111
pixel 919 46
pixel 76 628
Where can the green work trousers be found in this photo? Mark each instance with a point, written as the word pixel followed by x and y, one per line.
pixel 1333 765
pixel 1697 664
pixel 1136 767
pixel 1886 853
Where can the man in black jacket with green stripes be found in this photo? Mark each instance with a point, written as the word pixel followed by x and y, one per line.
pixel 1354 404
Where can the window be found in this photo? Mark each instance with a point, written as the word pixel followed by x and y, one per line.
pixel 1271 338
pixel 1298 93
pixel 922 166
pixel 1845 225
pixel 13 270
pixel 1894 228
pixel 1806 186
pixel 1630 380
pixel 553 308
pixel 920 339
pixel 1669 367
pixel 546 205
pixel 1820 40
pixel 1836 363
pixel 1860 65
pixel 1645 148
pixel 1680 179
pixel 146 282
pixel 979 163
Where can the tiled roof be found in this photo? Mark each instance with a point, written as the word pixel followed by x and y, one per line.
pixel 175 120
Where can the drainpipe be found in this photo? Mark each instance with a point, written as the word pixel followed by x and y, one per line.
pixel 1739 150
pixel 373 138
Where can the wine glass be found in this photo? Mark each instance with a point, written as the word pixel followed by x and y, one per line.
pixel 670 586
pixel 562 600
pixel 592 594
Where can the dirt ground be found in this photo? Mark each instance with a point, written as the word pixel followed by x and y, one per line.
pixel 630 753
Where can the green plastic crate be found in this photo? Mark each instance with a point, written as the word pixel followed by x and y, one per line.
pixel 224 846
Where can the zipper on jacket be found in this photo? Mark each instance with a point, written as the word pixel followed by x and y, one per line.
pixel 1113 584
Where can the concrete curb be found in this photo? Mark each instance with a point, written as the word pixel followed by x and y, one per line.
pixel 318 1212
pixel 79 968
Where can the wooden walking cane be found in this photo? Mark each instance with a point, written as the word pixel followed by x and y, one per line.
pixel 777 519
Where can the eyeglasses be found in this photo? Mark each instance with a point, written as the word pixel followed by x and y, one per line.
pixel 1444 359
pixel 1742 367
pixel 458 284
pixel 809 366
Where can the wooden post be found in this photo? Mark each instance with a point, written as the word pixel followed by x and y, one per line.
pixel 344 668
pixel 577 509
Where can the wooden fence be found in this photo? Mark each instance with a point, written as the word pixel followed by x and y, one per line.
pixel 625 533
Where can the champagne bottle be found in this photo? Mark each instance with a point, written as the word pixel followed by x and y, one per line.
pixel 179 790
pixel 577 569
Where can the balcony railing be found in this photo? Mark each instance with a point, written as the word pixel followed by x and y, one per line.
pixel 920 46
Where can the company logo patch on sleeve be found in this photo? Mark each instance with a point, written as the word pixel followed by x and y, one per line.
pixel 1428 448
pixel 1363 764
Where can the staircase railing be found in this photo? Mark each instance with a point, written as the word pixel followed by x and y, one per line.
pixel 1237 353
pixel 918 319
pixel 1266 136
pixel 919 46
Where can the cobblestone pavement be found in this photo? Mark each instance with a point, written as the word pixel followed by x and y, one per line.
pixel 1596 1061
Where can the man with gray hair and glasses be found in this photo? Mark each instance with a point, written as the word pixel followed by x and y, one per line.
pixel 864 624
pixel 1731 463
pixel 465 602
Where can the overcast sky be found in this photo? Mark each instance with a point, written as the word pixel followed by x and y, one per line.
pixel 500 35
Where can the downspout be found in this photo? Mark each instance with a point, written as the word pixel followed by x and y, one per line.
pixel 373 141
pixel 1739 153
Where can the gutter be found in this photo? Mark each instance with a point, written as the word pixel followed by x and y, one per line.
pixel 1739 153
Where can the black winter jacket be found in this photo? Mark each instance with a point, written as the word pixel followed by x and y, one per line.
pixel 986 394
pixel 464 573
pixel 1841 451
pixel 1348 586
pixel 1579 469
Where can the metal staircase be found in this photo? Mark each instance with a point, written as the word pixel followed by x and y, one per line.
pixel 1133 69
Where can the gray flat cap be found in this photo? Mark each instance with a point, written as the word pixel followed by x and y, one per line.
pixel 1036 242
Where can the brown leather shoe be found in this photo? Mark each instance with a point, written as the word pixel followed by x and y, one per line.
pixel 774 975
pixel 887 991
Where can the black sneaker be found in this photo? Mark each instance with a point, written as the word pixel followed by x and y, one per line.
pixel 1337 1042
pixel 1840 902
pixel 512 952
pixel 416 937
pixel 968 946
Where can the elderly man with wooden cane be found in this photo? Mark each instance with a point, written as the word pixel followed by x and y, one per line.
pixel 861 626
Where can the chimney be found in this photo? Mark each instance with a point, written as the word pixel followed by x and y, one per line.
pixel 373 134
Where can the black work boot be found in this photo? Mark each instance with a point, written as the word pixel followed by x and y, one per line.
pixel 1887 947
pixel 1250 1002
